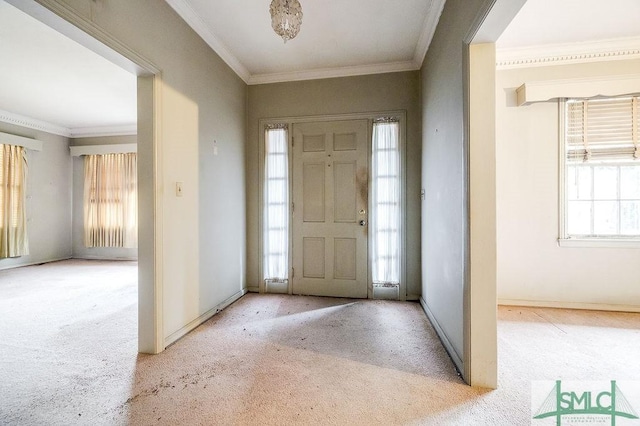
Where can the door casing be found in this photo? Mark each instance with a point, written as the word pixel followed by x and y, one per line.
pixel 401 115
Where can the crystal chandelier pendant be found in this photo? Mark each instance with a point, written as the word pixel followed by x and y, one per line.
pixel 286 18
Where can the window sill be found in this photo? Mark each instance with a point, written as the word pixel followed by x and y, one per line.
pixel 599 243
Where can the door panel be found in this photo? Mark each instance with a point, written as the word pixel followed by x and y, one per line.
pixel 313 257
pixel 345 258
pixel 330 178
pixel 345 193
pixel 313 202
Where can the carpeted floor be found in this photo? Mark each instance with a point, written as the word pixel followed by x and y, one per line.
pixel 68 356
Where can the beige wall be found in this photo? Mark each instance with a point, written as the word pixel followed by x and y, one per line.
pixel 532 268
pixel 202 259
pixel 371 93
pixel 79 249
pixel 48 201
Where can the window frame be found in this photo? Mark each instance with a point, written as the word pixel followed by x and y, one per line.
pixel 583 241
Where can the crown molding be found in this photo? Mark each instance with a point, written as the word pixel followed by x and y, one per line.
pixel 568 53
pixel 33 123
pixel 73 132
pixel 96 131
pixel 190 16
pixel 428 30
pixel 320 73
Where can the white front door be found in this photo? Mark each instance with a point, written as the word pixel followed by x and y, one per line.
pixel 330 208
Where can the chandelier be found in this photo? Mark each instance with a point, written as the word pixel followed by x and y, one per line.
pixel 286 18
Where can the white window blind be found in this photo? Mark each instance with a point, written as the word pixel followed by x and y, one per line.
pixel 385 220
pixel 276 204
pixel 602 168
pixel 13 217
pixel 602 129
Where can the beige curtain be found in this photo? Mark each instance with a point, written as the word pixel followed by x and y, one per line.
pixel 13 217
pixel 111 200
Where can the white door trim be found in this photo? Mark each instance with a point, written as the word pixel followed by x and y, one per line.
pixel 480 357
pixel 370 116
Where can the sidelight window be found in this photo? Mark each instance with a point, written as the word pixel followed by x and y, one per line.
pixel 276 204
pixel 385 220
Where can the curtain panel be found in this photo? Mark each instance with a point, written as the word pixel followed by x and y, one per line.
pixel 276 205
pixel 111 200
pixel 13 217
pixel 385 220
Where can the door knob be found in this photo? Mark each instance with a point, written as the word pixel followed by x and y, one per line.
pixel 363 223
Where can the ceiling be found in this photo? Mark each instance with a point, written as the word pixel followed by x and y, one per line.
pixel 337 38
pixel 50 78
pixel 545 22
pixel 54 82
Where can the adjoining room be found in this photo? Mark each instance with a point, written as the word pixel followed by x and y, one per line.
pixel 69 203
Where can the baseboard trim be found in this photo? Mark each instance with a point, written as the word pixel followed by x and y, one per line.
pixel 175 336
pixel 255 289
pixel 443 337
pixel 35 262
pixel 569 305
pixel 104 258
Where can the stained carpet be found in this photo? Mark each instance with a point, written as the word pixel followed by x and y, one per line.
pixel 68 356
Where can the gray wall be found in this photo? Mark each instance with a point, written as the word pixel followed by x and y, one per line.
pixel 371 93
pixel 48 199
pixel 79 249
pixel 443 210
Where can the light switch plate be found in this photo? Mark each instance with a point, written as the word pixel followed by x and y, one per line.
pixel 178 189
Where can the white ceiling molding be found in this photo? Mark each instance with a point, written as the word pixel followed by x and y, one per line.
pixel 119 130
pixel 79 132
pixel 32 123
pixel 568 53
pixel 428 30
pixel 187 13
pixel 333 72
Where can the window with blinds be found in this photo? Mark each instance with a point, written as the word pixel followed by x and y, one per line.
pixel 602 168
